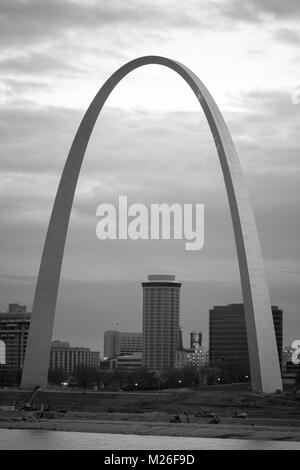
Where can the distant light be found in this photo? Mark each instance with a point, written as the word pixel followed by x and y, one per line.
pixel 219 379
pixel 64 383
pixel 136 384
pixel 246 376
pixel 179 381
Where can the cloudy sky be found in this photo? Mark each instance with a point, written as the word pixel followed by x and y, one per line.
pixel 151 143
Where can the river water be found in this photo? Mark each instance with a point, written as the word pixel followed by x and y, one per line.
pixel 19 439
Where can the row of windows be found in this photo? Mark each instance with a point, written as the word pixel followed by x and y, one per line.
pixel 166 295
pixel 232 347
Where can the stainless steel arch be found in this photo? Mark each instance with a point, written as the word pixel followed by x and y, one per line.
pixel 264 364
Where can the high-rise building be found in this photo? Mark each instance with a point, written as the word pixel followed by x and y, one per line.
pixel 161 315
pixel 117 343
pixel 228 337
pixel 14 326
pixel 68 358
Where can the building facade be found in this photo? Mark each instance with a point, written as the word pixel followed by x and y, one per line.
pixel 117 343
pixel 290 370
pixel 196 357
pixel 14 327
pixel 195 339
pixel 68 358
pixel 127 362
pixel 228 337
pixel 161 317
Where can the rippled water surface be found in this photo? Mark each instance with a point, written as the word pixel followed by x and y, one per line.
pixel 40 439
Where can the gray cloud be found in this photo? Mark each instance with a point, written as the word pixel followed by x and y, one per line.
pixel 257 10
pixel 41 63
pixel 36 142
pixel 287 36
pixel 36 139
pixel 31 20
pixel 45 42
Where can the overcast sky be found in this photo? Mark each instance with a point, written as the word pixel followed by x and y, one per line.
pixel 151 143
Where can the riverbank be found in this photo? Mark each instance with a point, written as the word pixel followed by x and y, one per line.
pixel 152 428
pixel 266 417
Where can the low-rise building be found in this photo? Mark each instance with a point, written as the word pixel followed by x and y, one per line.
pixel 196 357
pixel 128 362
pixel 290 370
pixel 117 343
pixel 14 328
pixel 66 357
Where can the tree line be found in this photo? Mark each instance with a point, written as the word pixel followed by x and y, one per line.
pixel 143 379
pixel 139 379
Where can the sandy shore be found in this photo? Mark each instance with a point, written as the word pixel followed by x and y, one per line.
pixel 230 431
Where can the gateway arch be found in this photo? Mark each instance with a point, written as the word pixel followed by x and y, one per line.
pixel 264 363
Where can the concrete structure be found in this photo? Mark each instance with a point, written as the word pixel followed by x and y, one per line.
pixel 161 312
pixel 195 339
pixel 117 343
pixel 265 370
pixel 14 327
pixel 228 335
pixel 66 357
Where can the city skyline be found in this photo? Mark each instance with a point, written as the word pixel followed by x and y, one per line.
pixel 43 95
pixel 134 298
pixel 118 340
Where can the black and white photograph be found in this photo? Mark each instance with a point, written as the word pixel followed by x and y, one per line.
pixel 150 227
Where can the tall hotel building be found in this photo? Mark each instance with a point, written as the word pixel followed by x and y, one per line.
pixel 161 311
